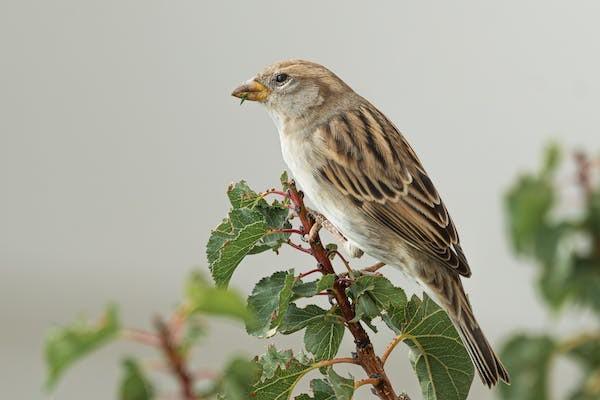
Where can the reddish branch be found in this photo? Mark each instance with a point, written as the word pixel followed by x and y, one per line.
pixel 175 360
pixel 584 167
pixel 365 355
pixel 140 336
pixel 584 179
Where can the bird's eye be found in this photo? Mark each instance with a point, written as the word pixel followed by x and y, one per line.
pixel 280 78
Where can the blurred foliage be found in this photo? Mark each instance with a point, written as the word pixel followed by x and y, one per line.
pixel 67 344
pixel 561 236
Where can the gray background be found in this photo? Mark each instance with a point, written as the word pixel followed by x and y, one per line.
pixel 118 138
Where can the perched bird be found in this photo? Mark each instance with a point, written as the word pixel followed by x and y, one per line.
pixel 364 177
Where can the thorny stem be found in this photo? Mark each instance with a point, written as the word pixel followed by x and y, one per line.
pixel 175 360
pixel 365 355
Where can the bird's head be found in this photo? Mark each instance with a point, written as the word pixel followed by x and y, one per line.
pixel 292 87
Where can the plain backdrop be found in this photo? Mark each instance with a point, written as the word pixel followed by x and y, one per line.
pixel 118 137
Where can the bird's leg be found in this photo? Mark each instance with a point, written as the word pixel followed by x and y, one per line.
pixel 373 268
pixel 314 231
pixel 322 222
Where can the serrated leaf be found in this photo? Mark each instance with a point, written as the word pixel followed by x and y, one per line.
pixel 323 336
pixel 66 345
pixel 283 381
pixel 528 359
pixel 297 318
pixel 284 180
pixel 272 360
pixel 373 295
pixel 269 301
pixel 321 389
pixel 310 289
pixel 232 240
pixel 241 196
pixel 200 297
pixel 238 377
pixel 134 384
pixel 342 387
pixel 442 365
pixel 276 215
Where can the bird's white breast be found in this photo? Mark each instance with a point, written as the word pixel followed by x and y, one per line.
pixel 299 153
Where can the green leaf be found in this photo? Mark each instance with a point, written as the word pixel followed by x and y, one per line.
pixel 585 349
pixel 232 240
pixel 323 336
pixel 324 331
pixel 276 214
pixel 589 388
pixel 585 281
pixel 556 259
pixel 296 318
pixel 342 387
pixel 373 295
pixel 134 384
pixel 238 377
pixel 272 360
pixel 280 385
pixel 68 344
pixel 552 158
pixel 200 297
pixel 592 214
pixel 284 180
pixel 247 230
pixel 528 204
pixel 438 356
pixel 310 289
pixel 269 301
pixel 241 196
pixel 528 360
pixel 194 330
pixel 321 389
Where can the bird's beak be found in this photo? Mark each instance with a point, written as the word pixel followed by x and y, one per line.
pixel 252 90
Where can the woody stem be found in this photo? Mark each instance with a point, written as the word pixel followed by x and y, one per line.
pixel 365 355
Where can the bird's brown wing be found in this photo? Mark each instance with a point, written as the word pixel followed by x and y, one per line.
pixel 369 160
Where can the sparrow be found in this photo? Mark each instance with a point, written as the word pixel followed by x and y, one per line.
pixel 359 171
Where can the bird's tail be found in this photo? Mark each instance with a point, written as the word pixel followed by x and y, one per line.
pixel 484 359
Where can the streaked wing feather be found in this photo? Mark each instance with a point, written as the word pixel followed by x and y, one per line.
pixel 369 160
